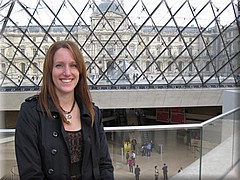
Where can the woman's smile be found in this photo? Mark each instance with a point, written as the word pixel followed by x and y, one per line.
pixel 66 80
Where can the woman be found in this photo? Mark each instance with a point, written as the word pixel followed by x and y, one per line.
pixel 59 131
pixel 156 172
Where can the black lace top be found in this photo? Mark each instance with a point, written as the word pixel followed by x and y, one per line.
pixel 75 147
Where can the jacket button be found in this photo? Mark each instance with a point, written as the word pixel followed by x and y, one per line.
pixel 55 116
pixel 55 134
pixel 54 151
pixel 50 171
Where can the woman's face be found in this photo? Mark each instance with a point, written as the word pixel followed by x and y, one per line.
pixel 65 73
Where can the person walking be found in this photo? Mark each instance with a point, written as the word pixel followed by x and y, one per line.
pixel 165 171
pixel 156 172
pixel 130 164
pixel 137 172
pixel 134 144
pixel 143 149
pixel 149 147
pixel 127 156
pixel 59 132
pixel 133 157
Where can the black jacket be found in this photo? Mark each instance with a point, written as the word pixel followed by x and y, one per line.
pixel 42 150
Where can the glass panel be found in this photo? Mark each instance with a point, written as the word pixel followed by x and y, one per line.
pixel 217 134
pixel 198 152
pixel 236 140
pixel 8 158
pixel 123 43
pixel 219 146
pixel 153 148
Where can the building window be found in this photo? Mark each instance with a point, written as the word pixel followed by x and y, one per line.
pixel 23 67
pixel 180 65
pixel 180 39
pixel 230 49
pixel 3 68
pixel 158 66
pixel 169 66
pixel 46 38
pixel 35 52
pixel 207 41
pixel 190 51
pixel 207 66
pixel 169 51
pixel 132 49
pixel 111 51
pixel 148 66
pixel 148 53
pixel 23 50
pixel 190 66
pixel 34 67
pixel 46 49
pixel 180 48
pixel 147 39
pixel 3 52
pixel 158 49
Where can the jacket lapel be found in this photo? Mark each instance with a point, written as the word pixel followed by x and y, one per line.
pixel 86 122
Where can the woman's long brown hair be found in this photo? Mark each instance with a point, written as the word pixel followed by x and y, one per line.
pixel 48 87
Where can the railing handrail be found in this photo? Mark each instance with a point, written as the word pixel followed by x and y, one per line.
pixel 157 127
pixel 219 116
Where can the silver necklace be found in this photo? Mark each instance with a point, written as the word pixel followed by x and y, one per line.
pixel 68 113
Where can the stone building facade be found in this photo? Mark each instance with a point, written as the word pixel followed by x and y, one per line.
pixel 118 51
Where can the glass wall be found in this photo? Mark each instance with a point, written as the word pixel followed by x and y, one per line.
pixel 218 137
pixel 133 44
pixel 204 151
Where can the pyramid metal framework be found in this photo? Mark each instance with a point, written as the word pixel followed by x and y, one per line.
pixel 136 44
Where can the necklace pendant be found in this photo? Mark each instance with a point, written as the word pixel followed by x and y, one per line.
pixel 68 116
pixel 69 121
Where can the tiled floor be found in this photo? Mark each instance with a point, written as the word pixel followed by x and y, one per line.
pixel 121 169
pixel 171 156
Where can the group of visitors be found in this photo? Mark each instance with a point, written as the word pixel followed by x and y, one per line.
pixel 130 160
pixel 146 149
pixel 164 170
pixel 156 172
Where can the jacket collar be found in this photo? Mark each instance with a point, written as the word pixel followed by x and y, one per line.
pixel 83 108
pixel 85 114
pixel 51 106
